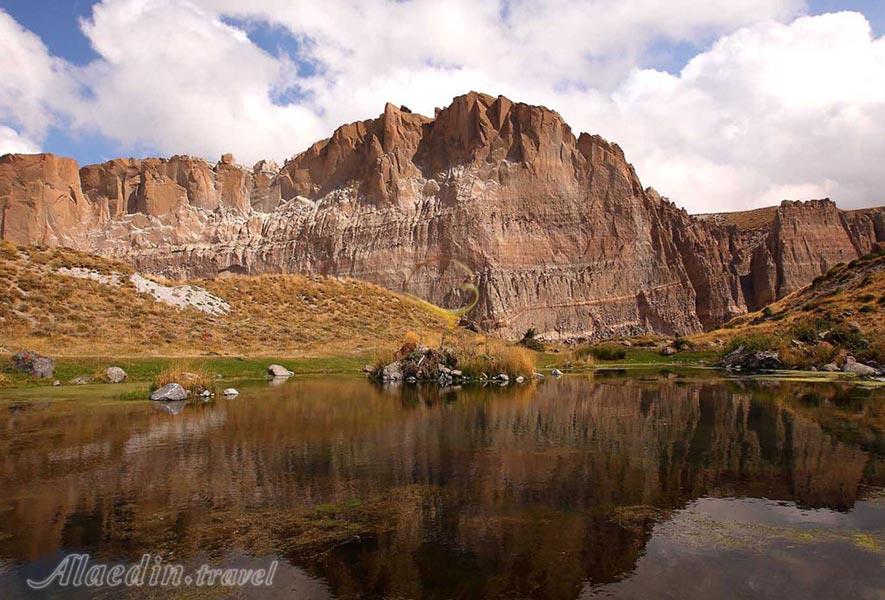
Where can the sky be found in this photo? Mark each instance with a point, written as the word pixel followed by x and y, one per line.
pixel 720 104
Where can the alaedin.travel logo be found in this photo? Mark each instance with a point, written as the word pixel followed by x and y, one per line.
pixel 80 571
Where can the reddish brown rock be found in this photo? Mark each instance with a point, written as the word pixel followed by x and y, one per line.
pixel 160 187
pixel 555 231
pixel 265 195
pixel 41 201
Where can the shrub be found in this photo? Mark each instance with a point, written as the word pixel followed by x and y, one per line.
pixel 847 337
pixel 411 338
pixel 491 356
pixel 792 358
pixel 874 351
pixel 753 342
pixel 530 341
pixel 512 360
pixel 381 360
pixel 804 358
pixel 835 269
pixel 581 356
pixel 822 354
pixel 767 312
pixel 607 351
pixel 807 331
pixel 8 250
pixel 647 341
pixel 682 344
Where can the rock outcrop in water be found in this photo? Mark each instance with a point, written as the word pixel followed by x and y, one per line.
pixel 555 230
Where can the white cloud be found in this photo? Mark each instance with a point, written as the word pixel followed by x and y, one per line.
pixel 775 108
pixel 12 142
pixel 177 78
pixel 28 76
pixel 770 112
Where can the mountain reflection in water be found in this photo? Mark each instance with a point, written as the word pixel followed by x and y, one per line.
pixel 573 488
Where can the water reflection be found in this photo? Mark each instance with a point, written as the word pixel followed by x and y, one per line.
pixel 550 490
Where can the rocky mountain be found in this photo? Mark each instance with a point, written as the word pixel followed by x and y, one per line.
pixel 555 230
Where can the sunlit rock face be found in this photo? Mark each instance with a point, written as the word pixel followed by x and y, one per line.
pixel 555 230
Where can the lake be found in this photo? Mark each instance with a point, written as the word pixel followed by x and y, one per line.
pixel 611 485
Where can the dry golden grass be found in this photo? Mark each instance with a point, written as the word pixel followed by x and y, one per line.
pixel 479 354
pixel 411 338
pixel 290 315
pixel 580 358
pixel 475 354
pixel 750 219
pixel 5 379
pixel 191 377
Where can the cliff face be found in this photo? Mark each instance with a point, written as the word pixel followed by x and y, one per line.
pixel 556 231
pixel 42 202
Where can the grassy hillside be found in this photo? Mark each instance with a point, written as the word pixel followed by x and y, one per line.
pixel 839 312
pixel 745 219
pixel 283 315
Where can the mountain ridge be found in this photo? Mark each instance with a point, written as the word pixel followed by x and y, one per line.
pixel 555 231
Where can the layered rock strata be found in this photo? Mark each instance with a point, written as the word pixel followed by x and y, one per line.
pixel 555 230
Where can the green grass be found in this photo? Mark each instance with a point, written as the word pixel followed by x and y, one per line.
pixel 635 358
pixel 145 370
pixel 142 371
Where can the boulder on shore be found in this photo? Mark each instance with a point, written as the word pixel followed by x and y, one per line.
pixel 742 358
pixel 858 368
pixel 415 362
pixel 279 371
pixel 33 364
pixel 170 392
pixel 115 375
pixel 392 372
pixel 668 351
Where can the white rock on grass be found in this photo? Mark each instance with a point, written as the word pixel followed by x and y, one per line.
pixel 279 371
pixel 170 393
pixel 115 375
pixel 180 296
pixel 84 273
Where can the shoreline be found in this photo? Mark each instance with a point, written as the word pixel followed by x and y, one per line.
pixel 142 370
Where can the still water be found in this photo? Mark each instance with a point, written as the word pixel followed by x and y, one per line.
pixel 660 486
